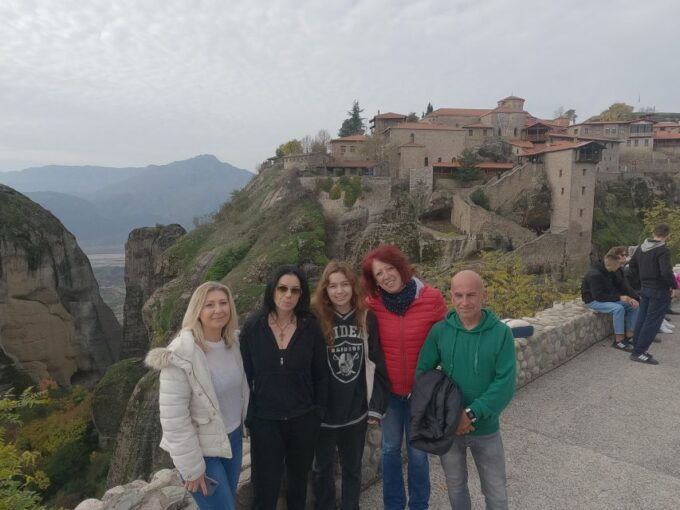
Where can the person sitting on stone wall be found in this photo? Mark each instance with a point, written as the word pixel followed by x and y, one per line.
pixel 603 291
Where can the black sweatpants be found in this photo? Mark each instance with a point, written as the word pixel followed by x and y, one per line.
pixel 350 445
pixel 278 443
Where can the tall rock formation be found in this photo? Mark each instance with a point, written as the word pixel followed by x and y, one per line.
pixel 53 322
pixel 143 275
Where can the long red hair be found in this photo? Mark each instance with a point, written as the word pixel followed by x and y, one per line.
pixel 388 254
pixel 321 303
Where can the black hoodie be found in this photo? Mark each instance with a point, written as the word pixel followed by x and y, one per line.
pixel 347 402
pixel 652 263
pixel 604 286
pixel 285 383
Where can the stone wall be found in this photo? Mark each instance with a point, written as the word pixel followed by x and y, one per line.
pixel 472 219
pixel 421 180
pixel 511 185
pixel 545 254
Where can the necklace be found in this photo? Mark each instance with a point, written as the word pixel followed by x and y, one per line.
pixel 282 329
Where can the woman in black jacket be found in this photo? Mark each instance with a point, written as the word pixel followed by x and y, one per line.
pixel 285 363
pixel 357 384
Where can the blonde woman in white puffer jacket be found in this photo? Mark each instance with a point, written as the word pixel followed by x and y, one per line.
pixel 203 397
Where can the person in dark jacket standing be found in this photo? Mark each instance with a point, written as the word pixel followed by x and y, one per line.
pixel 284 357
pixel 477 351
pixel 357 384
pixel 406 309
pixel 604 290
pixel 652 262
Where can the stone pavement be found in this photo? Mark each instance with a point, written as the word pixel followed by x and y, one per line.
pixel 599 432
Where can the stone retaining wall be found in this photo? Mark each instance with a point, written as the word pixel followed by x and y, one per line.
pixel 560 333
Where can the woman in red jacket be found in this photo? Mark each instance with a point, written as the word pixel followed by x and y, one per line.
pixel 406 309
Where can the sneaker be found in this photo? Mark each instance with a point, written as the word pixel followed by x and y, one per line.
pixel 644 358
pixel 664 329
pixel 667 324
pixel 623 346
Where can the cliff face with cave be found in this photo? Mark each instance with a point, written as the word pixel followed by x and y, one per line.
pixel 53 322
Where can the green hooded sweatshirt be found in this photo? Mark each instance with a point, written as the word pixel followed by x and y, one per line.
pixel 481 361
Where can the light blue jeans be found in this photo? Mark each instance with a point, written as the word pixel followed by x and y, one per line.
pixel 489 456
pixel 395 426
pixel 624 315
pixel 226 472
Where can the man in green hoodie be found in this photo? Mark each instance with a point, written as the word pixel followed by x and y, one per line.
pixel 477 351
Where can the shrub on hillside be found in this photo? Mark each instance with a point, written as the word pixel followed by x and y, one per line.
pixel 479 198
pixel 226 261
pixel 336 192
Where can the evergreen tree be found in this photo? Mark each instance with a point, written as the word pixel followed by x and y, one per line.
pixel 429 109
pixel 354 125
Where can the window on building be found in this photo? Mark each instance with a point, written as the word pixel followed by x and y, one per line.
pixel 584 172
pixel 580 213
pixel 427 162
pixel 439 160
pixel 583 190
pixel 585 131
pixel 499 131
pixel 413 138
pixel 351 148
pixel 635 142
pixel 562 191
pixel 470 132
pixel 515 131
pixel 560 172
pixel 580 234
pixel 646 142
pixel 342 149
pixel 628 143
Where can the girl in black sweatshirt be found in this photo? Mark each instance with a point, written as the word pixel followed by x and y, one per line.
pixel 357 384
pixel 285 363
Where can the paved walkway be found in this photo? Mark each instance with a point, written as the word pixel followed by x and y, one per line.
pixel 600 432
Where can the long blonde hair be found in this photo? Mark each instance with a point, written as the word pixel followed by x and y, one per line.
pixel 321 303
pixel 191 321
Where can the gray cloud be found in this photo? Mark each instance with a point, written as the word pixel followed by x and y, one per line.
pixel 135 82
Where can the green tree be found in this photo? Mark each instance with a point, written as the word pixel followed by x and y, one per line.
pixel 19 475
pixel 290 147
pixel 617 111
pixel 412 117
pixel 468 165
pixel 661 212
pixel 571 115
pixel 320 142
pixel 354 124
pixel 429 109
pixel 479 198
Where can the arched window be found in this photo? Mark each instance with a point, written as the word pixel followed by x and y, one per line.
pixel 413 138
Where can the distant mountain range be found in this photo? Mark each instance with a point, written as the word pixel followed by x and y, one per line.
pixel 101 205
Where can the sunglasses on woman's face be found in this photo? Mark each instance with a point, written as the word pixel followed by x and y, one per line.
pixel 284 289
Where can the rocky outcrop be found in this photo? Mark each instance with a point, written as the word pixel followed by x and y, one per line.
pixel 111 396
pixel 53 322
pixel 137 453
pixel 143 276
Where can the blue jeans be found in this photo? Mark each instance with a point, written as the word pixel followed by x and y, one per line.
pixel 624 315
pixel 489 456
pixel 226 473
pixel 654 304
pixel 395 425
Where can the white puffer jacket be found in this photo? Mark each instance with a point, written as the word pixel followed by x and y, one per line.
pixel 190 414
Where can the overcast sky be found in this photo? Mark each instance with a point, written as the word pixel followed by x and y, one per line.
pixel 132 83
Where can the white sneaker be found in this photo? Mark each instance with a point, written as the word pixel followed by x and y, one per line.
pixel 664 329
pixel 668 324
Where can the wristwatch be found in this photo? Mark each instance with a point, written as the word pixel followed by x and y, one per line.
pixel 471 415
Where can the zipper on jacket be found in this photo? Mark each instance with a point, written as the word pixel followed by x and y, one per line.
pixel 403 349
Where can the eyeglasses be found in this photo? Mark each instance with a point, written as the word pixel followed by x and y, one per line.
pixel 284 289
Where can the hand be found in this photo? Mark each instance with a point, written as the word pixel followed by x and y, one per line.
pixel 464 425
pixel 195 485
pixel 373 421
pixel 634 303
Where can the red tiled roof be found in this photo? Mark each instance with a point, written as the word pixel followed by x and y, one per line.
pixel 459 112
pixel 390 115
pixel 534 121
pixel 484 165
pixel 557 147
pixel 666 124
pixel 338 163
pixel 352 138
pixel 512 97
pixel 579 137
pixel 665 135
pixel 424 125
pixel 503 109
pixel 524 144
pixel 485 126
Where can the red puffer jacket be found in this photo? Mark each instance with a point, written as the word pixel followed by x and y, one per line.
pixel 401 337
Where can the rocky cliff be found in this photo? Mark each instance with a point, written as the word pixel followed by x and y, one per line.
pixel 53 322
pixel 143 275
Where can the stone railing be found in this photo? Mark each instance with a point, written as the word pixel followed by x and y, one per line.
pixel 560 333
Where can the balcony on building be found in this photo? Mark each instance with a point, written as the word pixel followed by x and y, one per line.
pixel 591 153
